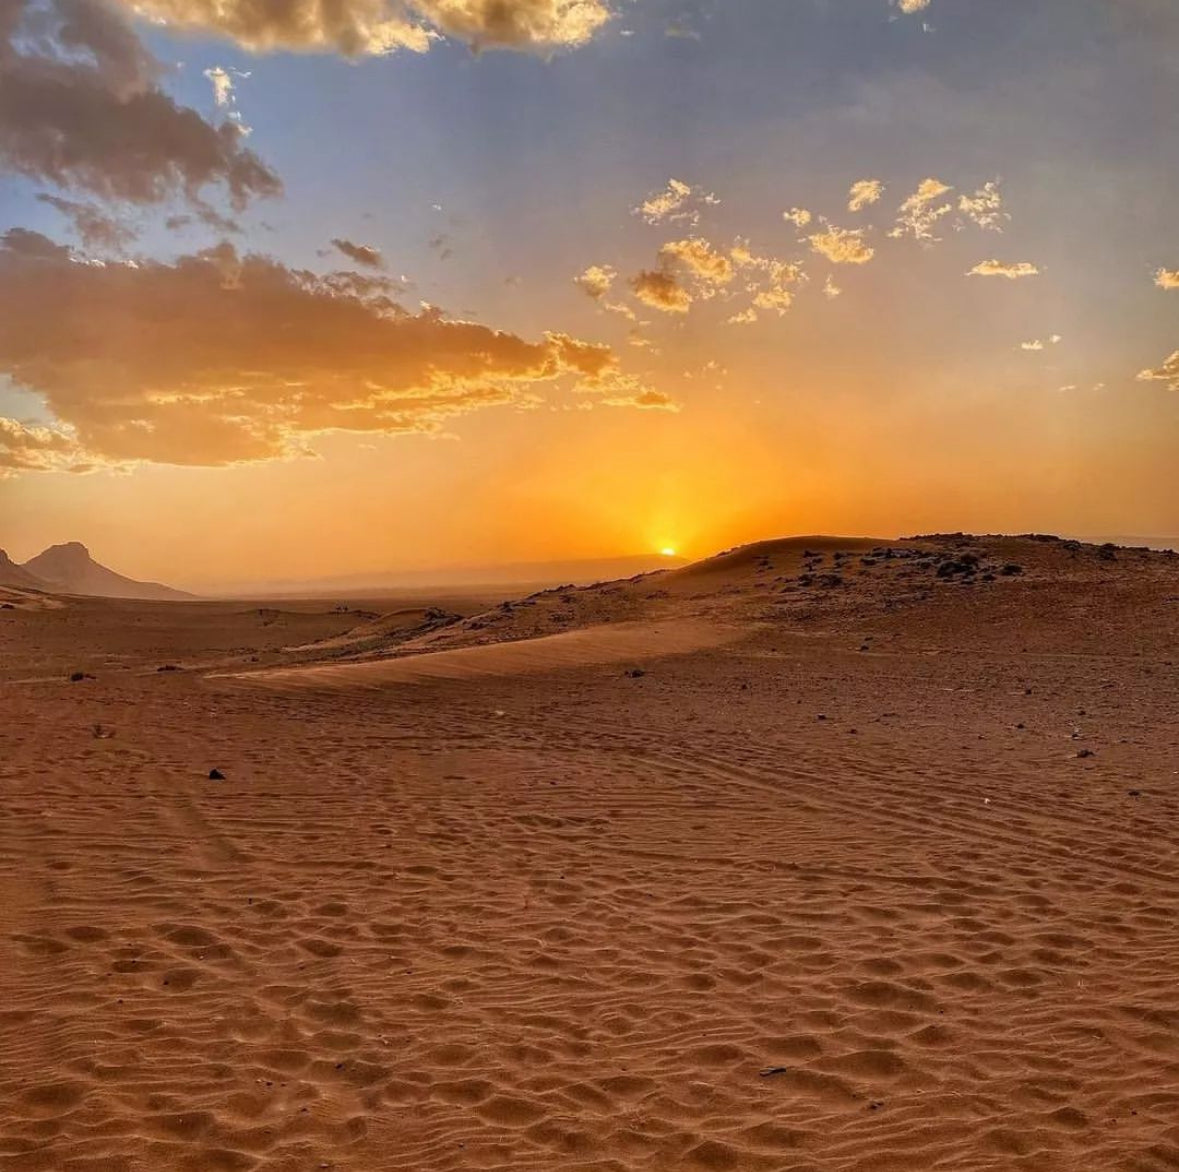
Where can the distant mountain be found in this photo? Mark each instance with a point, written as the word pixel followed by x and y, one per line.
pixel 515 576
pixel 69 569
pixel 13 575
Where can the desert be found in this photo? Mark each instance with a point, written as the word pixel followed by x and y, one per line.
pixel 821 854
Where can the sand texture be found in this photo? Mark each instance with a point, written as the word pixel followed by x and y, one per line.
pixel 823 855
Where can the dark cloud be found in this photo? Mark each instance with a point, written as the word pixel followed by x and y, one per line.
pixel 362 254
pixel 97 230
pixel 81 107
pixel 220 357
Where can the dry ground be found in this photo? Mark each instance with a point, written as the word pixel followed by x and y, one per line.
pixel 828 886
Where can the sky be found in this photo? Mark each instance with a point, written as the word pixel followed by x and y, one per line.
pixel 304 289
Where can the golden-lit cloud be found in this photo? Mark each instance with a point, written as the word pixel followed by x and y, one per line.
pixel 677 203
pixel 596 281
pixel 984 208
pixel 711 268
pixel 1167 373
pixel 922 210
pixel 842 246
pixel 81 107
pixel 661 290
pixel 29 448
pixel 1167 278
pixel 220 357
pixel 358 28
pixel 361 254
pixel 863 193
pixel 998 268
pixel 773 283
pixel 799 217
pixel 911 7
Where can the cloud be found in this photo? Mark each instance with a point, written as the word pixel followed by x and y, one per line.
pixel 661 290
pixel 985 207
pixel 624 390
pixel 1167 278
pixel 997 268
pixel 1167 373
pixel 356 28
pixel 863 193
pixel 1038 344
pixel 28 448
pixel 596 281
pixel 80 107
pixel 710 267
pixel 222 84
pixel 911 7
pixel 678 202
pixel 362 254
pixel 831 290
pixel 842 246
pixel 219 357
pixel 799 217
pixel 918 215
pixel 97 231
pixel 773 283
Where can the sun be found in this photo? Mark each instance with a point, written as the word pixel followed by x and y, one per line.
pixel 667 551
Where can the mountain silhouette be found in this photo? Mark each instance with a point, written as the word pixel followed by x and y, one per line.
pixel 69 569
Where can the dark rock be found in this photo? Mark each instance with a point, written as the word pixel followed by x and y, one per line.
pixel 216 775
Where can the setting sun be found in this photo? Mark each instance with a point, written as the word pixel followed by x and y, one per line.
pixel 667 551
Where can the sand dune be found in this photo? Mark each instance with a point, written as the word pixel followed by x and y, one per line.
pixel 888 882
pixel 606 643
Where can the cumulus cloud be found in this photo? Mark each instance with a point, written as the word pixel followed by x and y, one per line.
pixel 1167 278
pixel 711 268
pixel 81 107
pixel 677 203
pixel 661 289
pixel 922 210
pixel 97 231
pixel 1167 373
pixel 864 192
pixel 799 217
pixel 357 28
pixel 998 268
pixel 596 281
pixel 361 254
pixel 29 448
pixel 220 357
pixel 842 246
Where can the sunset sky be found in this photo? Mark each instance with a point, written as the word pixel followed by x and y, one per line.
pixel 300 289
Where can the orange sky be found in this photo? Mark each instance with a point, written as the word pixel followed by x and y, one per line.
pixel 672 275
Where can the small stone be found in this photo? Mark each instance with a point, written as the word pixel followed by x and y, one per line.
pixel 216 775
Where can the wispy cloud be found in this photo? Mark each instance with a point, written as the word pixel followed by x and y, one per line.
pixel 677 203
pixel 997 268
pixel 863 193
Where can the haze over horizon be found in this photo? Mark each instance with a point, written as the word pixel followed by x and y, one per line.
pixel 286 299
